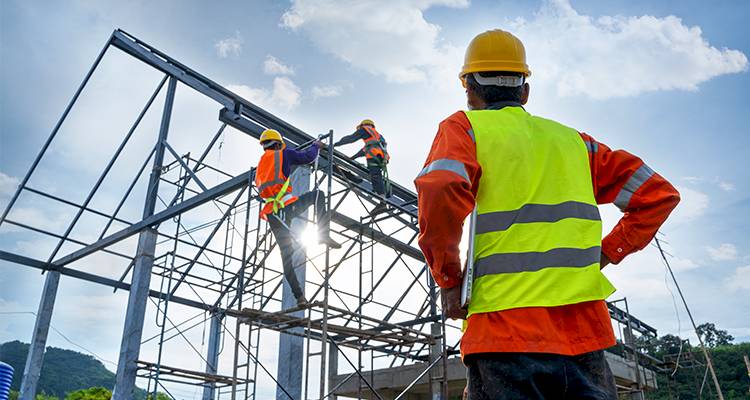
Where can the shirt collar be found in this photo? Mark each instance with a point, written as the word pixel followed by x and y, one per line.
pixel 502 104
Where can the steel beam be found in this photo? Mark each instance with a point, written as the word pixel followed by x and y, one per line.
pixel 93 278
pixel 229 186
pixel 130 346
pixel 34 359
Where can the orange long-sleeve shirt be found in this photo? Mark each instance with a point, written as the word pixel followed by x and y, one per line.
pixel 446 199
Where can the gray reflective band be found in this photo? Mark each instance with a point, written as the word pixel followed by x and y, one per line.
pixel 592 147
pixel 639 177
pixel 502 220
pixel 277 164
pixel 505 263
pixel 507 81
pixel 446 164
pixel 271 183
pixel 471 133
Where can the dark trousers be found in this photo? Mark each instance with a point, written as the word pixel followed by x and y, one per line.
pixel 511 376
pixel 284 237
pixel 374 167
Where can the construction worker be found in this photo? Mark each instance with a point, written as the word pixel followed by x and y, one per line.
pixel 273 183
pixel 375 151
pixel 536 322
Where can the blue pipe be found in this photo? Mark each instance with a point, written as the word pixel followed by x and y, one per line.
pixel 6 378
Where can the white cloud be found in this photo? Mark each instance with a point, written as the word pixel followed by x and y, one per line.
pixel 726 186
pixel 693 204
pixel 683 264
pixel 327 91
pixel 231 46
pixel 740 279
pixel 614 56
pixel 274 66
pixel 393 40
pixel 692 179
pixel 8 185
pixel 285 93
pixel 725 252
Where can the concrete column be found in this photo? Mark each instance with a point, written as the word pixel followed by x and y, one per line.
pixel 130 346
pixel 214 342
pixel 291 348
pixel 333 368
pixel 35 357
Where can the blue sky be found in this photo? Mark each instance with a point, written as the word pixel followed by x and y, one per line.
pixel 667 81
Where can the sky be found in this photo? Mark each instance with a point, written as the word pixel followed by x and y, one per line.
pixel 667 81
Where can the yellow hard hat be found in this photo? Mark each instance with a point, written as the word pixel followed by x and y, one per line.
pixel 269 135
pixel 366 122
pixel 495 50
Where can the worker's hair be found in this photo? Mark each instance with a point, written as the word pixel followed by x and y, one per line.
pixel 491 93
pixel 272 145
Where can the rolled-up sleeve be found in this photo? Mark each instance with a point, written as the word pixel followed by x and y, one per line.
pixel 645 197
pixel 446 189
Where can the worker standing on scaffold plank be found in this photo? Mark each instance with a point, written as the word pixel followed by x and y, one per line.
pixel 272 178
pixel 536 320
pixel 375 151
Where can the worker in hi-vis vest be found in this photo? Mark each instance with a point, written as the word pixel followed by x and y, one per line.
pixel 536 323
pixel 272 178
pixel 375 151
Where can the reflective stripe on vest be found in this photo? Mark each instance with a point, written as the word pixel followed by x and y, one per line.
pixel 537 239
pixel 373 147
pixel 271 182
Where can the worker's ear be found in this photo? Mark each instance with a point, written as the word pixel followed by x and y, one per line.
pixel 525 93
pixel 473 102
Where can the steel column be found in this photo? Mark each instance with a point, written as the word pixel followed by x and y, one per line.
pixel 39 337
pixel 291 347
pixel 212 366
pixel 130 346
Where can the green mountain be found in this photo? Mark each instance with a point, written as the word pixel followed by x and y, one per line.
pixel 63 370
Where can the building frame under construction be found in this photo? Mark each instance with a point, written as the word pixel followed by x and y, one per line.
pixel 371 305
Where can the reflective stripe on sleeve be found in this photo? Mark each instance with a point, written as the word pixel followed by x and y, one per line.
pixel 592 146
pixel 470 132
pixel 504 263
pixel 502 220
pixel 639 177
pixel 446 164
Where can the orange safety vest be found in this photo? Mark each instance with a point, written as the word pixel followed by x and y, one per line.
pixel 272 184
pixel 373 147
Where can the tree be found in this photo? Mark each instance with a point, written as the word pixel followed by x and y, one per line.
pixel 94 393
pixel 713 337
pixel 159 396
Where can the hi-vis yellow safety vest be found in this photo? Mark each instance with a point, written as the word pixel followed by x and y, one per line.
pixel 537 238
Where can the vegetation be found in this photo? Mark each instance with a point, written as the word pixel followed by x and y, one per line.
pixel 688 379
pixel 95 393
pixel 65 373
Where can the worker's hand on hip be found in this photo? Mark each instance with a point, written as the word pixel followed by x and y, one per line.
pixel 451 299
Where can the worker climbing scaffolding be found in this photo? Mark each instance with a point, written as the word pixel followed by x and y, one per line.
pixel 272 178
pixel 375 150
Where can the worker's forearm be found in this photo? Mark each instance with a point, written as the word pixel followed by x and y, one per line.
pixel 647 211
pixel 444 203
pixel 645 197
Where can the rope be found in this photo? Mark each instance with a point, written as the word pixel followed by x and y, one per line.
pixel 692 321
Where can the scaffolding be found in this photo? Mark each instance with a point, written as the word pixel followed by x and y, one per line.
pixel 201 247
